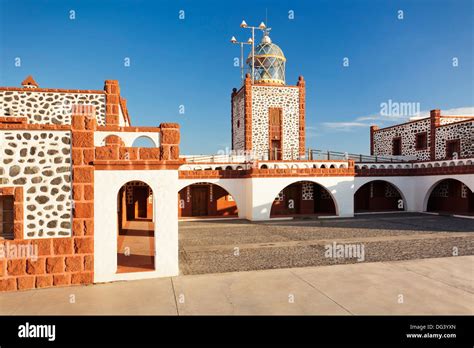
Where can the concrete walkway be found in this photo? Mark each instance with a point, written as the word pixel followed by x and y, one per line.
pixel 427 286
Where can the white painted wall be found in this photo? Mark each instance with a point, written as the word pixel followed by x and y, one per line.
pixel 424 185
pixel 254 198
pixel 127 137
pixel 107 184
pixel 264 190
pixel 415 190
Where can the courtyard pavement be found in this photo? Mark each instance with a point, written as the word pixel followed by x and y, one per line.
pixel 239 245
pixel 426 286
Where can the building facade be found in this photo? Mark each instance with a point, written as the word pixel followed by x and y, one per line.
pixel 268 116
pixel 433 138
pixel 81 203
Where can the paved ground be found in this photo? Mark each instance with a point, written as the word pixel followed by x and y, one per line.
pixel 238 245
pixel 429 286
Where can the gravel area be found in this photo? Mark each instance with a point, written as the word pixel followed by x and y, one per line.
pixel 238 245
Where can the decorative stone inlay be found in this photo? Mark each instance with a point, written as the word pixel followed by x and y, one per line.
pixel 307 191
pixel 40 161
pixel 441 190
pixel 48 107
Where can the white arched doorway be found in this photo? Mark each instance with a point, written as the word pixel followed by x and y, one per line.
pixel 135 233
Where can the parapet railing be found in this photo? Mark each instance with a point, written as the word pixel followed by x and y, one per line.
pixel 309 155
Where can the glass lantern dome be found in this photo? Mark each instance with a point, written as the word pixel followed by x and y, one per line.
pixel 269 62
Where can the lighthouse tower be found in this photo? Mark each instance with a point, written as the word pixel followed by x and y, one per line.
pixel 268 116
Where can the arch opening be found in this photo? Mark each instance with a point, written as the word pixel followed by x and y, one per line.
pixel 135 237
pixel 378 196
pixel 206 200
pixel 143 141
pixel 303 198
pixel 112 139
pixel 451 196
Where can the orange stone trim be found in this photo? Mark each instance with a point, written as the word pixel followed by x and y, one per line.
pixel 266 173
pixel 112 102
pixel 53 90
pixel 302 109
pixel 60 262
pixel 137 165
pixel 248 112
pixel 435 116
pixel 29 81
pixel 29 126
pixel 13 119
pixel 116 128
pixel 123 105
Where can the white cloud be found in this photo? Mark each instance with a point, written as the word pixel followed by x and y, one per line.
pixel 464 111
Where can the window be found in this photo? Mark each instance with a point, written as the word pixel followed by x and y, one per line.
pixel 397 146
pixel 453 148
pixel 6 216
pixel 422 141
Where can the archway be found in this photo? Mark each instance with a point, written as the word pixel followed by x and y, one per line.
pixel 135 238
pixel 303 198
pixel 378 196
pixel 206 200
pixel 143 141
pixel 451 196
pixel 112 139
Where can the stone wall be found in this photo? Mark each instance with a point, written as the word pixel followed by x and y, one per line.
pixel 42 107
pixel 383 139
pixel 287 98
pixel 238 121
pixel 40 162
pixel 464 131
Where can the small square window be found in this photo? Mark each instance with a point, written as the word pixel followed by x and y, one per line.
pixel 421 141
pixel 6 216
pixel 397 146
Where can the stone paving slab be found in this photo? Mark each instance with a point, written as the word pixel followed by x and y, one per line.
pixel 375 288
pixel 265 292
pixel 429 286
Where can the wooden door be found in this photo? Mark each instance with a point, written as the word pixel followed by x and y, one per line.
pixel 453 146
pixel 200 198
pixel 275 116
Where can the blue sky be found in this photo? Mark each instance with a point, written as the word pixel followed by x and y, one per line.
pixel 189 61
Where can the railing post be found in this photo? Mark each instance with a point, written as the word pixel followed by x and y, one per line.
pixel 360 158
pixel 328 156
